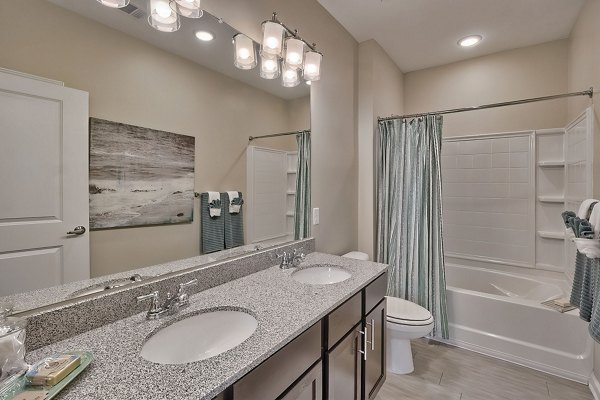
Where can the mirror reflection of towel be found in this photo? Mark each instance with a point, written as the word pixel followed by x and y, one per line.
pixel 214 204
pixel 235 202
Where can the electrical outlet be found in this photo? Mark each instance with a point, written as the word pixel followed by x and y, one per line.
pixel 315 215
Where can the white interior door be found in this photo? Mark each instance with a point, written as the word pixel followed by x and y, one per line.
pixel 267 191
pixel 43 184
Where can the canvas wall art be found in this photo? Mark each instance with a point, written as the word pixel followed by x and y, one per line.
pixel 139 176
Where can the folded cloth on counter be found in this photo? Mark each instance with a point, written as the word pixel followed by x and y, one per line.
pixel 212 229
pixel 214 204
pixel 234 221
pixel 235 202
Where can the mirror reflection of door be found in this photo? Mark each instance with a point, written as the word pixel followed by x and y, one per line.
pixel 44 205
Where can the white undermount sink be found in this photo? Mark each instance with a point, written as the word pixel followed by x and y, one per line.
pixel 321 275
pixel 199 337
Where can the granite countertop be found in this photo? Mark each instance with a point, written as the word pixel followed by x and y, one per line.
pixel 283 307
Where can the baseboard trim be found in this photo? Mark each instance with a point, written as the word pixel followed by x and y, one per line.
pixel 595 386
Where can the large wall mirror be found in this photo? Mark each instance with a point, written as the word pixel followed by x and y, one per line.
pixel 170 118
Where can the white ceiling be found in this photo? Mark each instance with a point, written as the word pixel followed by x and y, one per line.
pixel 216 55
pixel 419 34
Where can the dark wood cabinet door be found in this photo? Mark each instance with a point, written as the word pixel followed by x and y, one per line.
pixel 345 368
pixel 374 364
pixel 310 387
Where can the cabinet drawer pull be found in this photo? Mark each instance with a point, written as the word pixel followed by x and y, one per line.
pixel 372 342
pixel 365 341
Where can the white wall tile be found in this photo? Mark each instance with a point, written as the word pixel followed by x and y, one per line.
pixel 500 145
pixel 465 161
pixel 500 160
pixel 519 160
pixel 482 161
pixel 519 144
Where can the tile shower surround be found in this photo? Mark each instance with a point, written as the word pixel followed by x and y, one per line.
pixel 54 323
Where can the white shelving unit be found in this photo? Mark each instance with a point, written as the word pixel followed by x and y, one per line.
pixel 292 160
pixel 550 193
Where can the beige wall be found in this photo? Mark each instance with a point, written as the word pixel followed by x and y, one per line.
pixel 584 71
pixel 333 103
pixel 126 81
pixel 380 93
pixel 510 75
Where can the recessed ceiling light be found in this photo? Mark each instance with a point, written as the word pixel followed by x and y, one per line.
pixel 470 41
pixel 309 83
pixel 205 36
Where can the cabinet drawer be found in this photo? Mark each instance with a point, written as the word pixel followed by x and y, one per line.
pixel 342 319
pixel 375 292
pixel 271 378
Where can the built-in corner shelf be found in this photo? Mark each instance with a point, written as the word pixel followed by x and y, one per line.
pixel 551 235
pixel 551 199
pixel 291 192
pixel 289 214
pixel 291 171
pixel 551 164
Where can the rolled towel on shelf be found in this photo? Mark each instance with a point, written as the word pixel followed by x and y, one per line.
pixel 585 209
pixel 566 215
pixel 214 204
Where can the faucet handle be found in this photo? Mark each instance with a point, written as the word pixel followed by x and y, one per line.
pixel 155 311
pixel 182 296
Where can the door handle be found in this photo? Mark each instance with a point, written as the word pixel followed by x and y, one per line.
pixel 79 230
pixel 365 341
pixel 372 342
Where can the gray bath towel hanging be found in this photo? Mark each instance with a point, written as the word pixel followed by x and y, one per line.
pixel 212 229
pixel 594 327
pixel 577 279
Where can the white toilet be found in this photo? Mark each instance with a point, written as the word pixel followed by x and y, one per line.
pixel 405 321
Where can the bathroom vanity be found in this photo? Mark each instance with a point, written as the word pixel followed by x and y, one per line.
pixel 312 341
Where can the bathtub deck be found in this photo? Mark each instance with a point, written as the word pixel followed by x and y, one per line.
pixel 445 372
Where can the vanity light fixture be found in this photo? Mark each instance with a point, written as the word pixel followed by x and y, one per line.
pixel 187 8
pixel 294 52
pixel 269 66
pixel 162 17
pixel 205 36
pixel 290 76
pixel 280 45
pixel 245 52
pixel 470 41
pixel 114 3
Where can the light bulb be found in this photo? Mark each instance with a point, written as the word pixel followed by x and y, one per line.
pixel 312 66
pixel 310 69
pixel 470 41
pixel 290 77
pixel 163 10
pixel 244 54
pixel 270 65
pixel 272 42
pixel 294 53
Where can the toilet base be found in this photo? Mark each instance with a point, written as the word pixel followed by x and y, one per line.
pixel 399 358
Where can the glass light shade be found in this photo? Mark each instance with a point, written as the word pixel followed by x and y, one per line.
pixel 294 53
pixel 269 66
pixel 272 38
pixel 290 77
pixel 187 8
pixel 245 52
pixel 162 17
pixel 312 66
pixel 114 3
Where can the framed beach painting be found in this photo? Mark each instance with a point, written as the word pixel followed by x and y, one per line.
pixel 139 176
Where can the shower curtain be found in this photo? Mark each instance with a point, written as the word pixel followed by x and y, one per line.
pixel 409 213
pixel 302 206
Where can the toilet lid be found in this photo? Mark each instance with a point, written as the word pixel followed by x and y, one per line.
pixel 404 311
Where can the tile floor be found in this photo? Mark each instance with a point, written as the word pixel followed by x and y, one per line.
pixel 445 372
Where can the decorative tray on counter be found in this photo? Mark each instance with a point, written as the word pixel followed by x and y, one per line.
pixel 19 384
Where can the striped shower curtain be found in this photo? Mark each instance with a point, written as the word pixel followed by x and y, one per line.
pixel 302 206
pixel 409 213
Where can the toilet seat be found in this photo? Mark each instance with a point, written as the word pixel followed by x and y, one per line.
pixel 404 312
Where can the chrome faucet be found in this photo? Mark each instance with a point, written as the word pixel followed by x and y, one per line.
pixel 173 303
pixel 290 260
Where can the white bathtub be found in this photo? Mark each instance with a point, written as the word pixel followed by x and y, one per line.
pixel 499 314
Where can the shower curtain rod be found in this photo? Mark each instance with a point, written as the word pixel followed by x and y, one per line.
pixel 589 93
pixel 251 138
